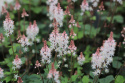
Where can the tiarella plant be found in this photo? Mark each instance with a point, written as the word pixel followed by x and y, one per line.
pixel 62 41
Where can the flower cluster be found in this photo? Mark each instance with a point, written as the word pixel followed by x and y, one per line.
pixel 19 80
pixel 72 47
pixel 72 22
pixel 24 41
pixel 1 73
pixel 37 64
pixel 85 7
pixel 53 74
pixel 32 31
pixel 67 12
pixel 24 13
pixel 53 38
pixel 95 3
pixel 55 11
pixel 51 2
pixel 1 38
pixel 62 41
pixel 17 63
pixel 8 25
pixel 59 42
pixel 58 14
pixel 45 52
pixel 104 56
pixel 81 59
pixel 4 10
pixel 17 5
pixel 72 34
pixel 101 7
pixel 2 4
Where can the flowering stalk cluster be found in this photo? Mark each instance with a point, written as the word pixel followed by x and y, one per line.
pixel 55 11
pixel 104 56
pixel 59 42
pixel 81 59
pixel 54 74
pixel 17 63
pixel 72 48
pixel 85 7
pixel 45 52
pixel 17 5
pixel 37 64
pixel 8 25
pixel 32 31
pixel 24 41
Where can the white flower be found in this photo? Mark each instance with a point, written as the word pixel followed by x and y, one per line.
pixel 81 59
pixel 1 73
pixel 85 7
pixel 51 2
pixel 107 70
pixel 8 25
pixel 17 63
pixel 64 59
pixel 66 65
pixel 97 72
pixel 33 51
pixel 45 52
pixel 32 31
pixel 16 76
pixel 24 41
pixel 104 56
pixel 38 40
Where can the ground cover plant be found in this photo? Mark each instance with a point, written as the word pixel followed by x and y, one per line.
pixel 62 41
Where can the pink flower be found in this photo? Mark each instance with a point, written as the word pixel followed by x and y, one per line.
pixel 80 59
pixel 37 64
pixel 72 46
pixel 24 41
pixel 67 12
pixel 77 25
pixel 24 13
pixel 45 53
pixel 72 20
pixel 4 10
pixel 17 5
pixel 17 63
pixel 8 25
pixel 53 73
pixel 101 7
pixel 32 31
pixel 19 80
pixel 72 33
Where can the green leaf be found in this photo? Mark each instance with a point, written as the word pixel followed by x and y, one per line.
pixel 120 79
pixel 36 9
pixel 8 79
pixel 116 64
pixel 118 18
pixel 85 79
pixel 93 18
pixel 107 79
pixel 74 77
